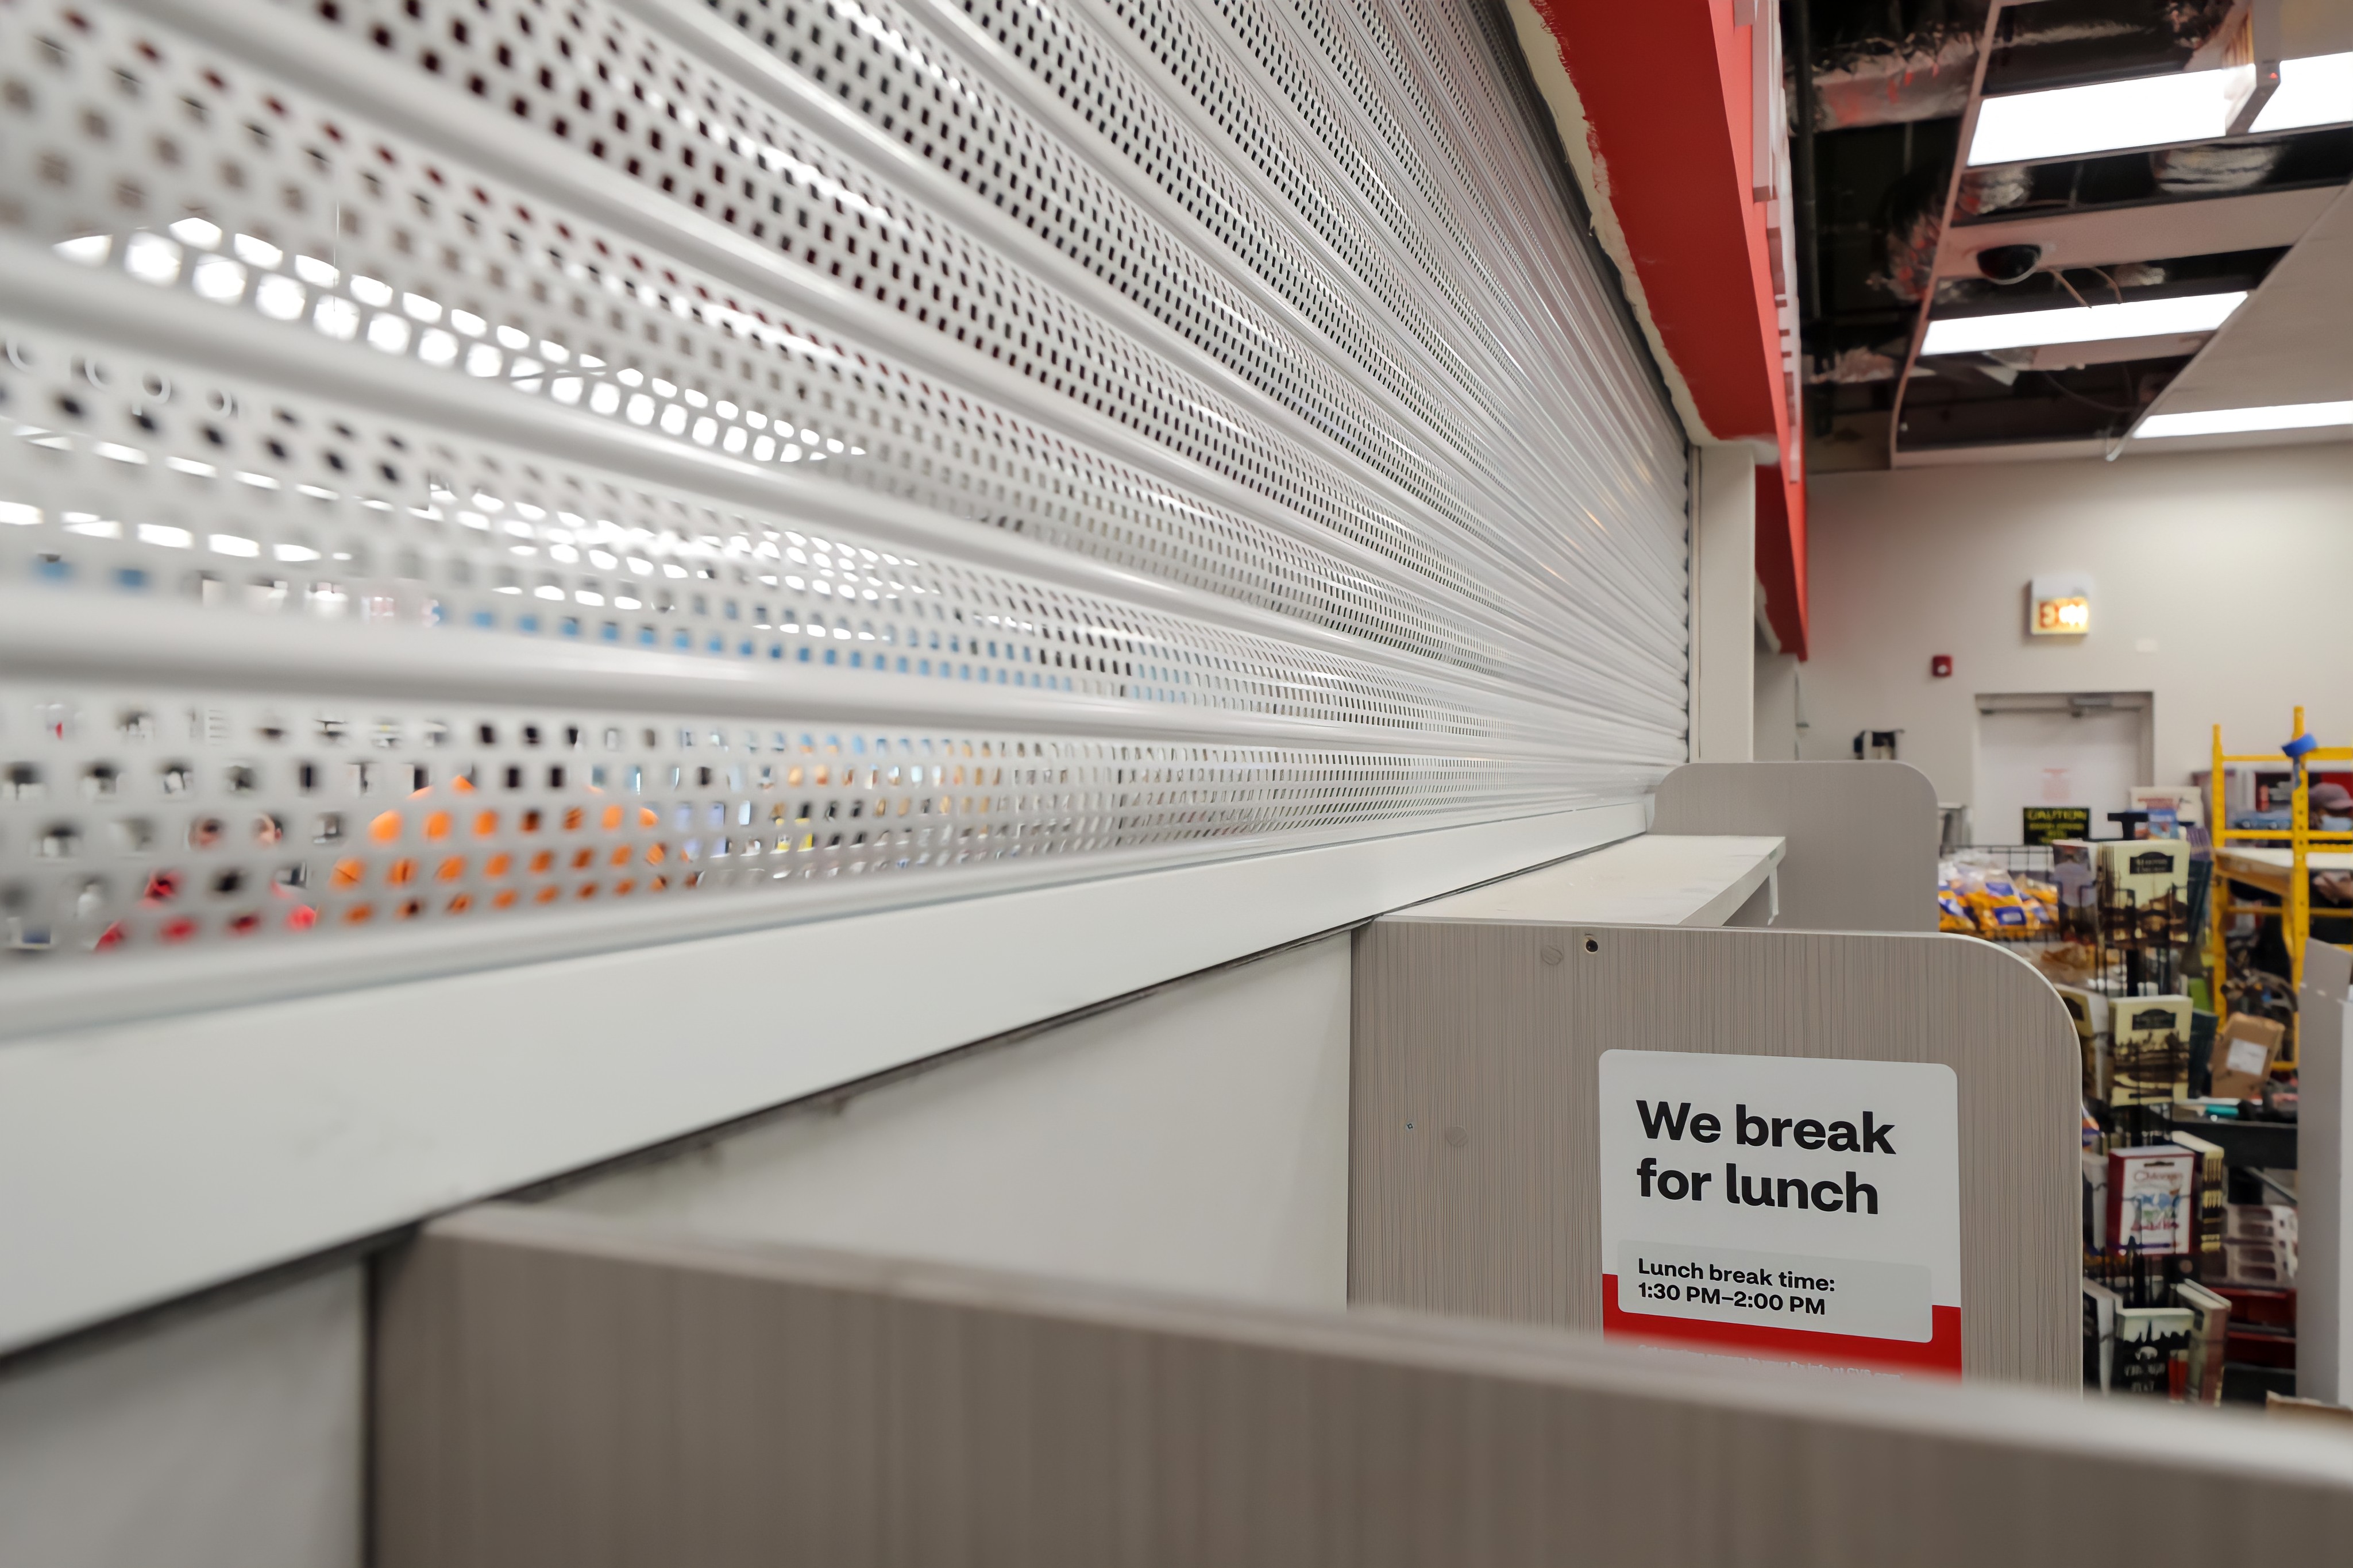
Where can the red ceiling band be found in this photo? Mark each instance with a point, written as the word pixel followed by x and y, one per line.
pixel 1665 90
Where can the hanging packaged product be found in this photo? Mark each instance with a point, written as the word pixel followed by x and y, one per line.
pixel 2151 1190
pixel 2149 1060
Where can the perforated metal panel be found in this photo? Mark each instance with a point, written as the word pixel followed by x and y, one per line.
pixel 551 464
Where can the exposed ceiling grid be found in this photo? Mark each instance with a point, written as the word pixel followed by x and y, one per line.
pixel 2169 156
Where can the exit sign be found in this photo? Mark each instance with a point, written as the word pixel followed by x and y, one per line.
pixel 2059 607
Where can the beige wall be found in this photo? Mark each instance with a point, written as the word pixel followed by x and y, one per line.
pixel 2224 586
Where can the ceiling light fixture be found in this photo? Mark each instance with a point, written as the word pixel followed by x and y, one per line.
pixel 2080 324
pixel 2159 110
pixel 2108 116
pixel 2231 421
pixel 2315 90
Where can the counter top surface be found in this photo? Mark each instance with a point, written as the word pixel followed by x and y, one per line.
pixel 1654 878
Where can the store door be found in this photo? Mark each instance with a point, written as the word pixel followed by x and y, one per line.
pixel 2084 748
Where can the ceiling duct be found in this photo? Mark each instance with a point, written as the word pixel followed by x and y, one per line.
pixel 1917 64
pixel 1994 189
pixel 2215 168
pixel 1903 230
pixel 1885 80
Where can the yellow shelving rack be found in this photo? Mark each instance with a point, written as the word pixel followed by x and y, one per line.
pixel 2295 911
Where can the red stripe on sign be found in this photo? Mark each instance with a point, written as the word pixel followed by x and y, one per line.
pixel 1938 1355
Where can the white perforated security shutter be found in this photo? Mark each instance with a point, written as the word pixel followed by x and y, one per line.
pixel 531 475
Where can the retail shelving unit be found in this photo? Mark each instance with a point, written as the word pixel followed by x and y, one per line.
pixel 2280 861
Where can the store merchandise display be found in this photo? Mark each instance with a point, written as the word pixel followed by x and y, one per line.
pixel 1977 899
pixel 2189 1114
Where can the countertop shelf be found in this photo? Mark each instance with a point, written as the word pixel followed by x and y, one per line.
pixel 1655 879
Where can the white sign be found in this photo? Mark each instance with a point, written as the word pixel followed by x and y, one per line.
pixel 1790 1208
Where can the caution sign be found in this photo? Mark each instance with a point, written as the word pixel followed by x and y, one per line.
pixel 2051 824
pixel 1783 1208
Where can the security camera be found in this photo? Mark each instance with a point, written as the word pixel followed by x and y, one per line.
pixel 2010 263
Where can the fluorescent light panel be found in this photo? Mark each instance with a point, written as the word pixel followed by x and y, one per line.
pixel 2145 111
pixel 2159 110
pixel 2080 324
pixel 2317 90
pixel 2231 421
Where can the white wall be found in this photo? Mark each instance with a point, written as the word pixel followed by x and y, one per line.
pixel 2224 586
pixel 1724 607
pixel 1194 1140
pixel 226 1438
pixel 1780 707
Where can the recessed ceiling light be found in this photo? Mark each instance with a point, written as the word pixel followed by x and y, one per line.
pixel 2315 90
pixel 2230 421
pixel 2080 324
pixel 2145 111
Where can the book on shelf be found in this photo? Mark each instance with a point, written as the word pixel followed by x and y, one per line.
pixel 2095 1199
pixel 2149 1339
pixel 2211 1189
pixel 2089 1010
pixel 2143 874
pixel 2100 1305
pixel 2209 1333
pixel 2149 1058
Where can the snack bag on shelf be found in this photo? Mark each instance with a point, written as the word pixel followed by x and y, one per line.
pixel 1952 914
pixel 1994 900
